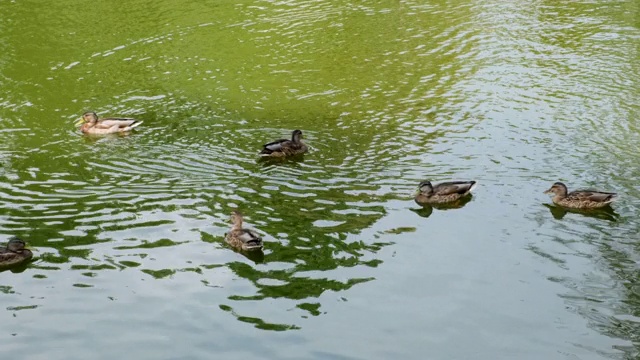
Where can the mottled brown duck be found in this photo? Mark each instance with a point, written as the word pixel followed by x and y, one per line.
pixel 14 253
pixel 242 239
pixel 580 199
pixel 285 147
pixel 444 192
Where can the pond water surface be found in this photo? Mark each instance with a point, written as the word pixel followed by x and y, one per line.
pixel 128 231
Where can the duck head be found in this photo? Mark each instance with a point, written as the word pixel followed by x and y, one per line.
pixel 296 136
pixel 425 187
pixel 89 117
pixel 557 188
pixel 16 245
pixel 236 219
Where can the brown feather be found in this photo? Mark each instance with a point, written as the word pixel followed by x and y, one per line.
pixel 11 258
pixel 285 147
pixel 442 193
pixel 580 199
pixel 242 239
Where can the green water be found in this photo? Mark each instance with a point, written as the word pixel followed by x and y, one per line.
pixel 128 231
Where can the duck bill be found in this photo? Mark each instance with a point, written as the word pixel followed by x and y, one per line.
pixel 79 122
pixel 548 191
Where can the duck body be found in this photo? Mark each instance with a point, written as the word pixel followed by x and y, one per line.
pixel 442 193
pixel 285 147
pixel 580 199
pixel 91 124
pixel 242 239
pixel 14 253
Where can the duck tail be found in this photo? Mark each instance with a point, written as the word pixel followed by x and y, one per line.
pixel 472 187
pixel 136 123
pixel 128 128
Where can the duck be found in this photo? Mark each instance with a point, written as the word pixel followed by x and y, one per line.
pixel 91 124
pixel 444 192
pixel 580 199
pixel 14 253
pixel 285 147
pixel 242 239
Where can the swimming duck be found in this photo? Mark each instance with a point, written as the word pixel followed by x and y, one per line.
pixel 243 239
pixel 580 199
pixel 444 192
pixel 92 125
pixel 284 147
pixel 14 253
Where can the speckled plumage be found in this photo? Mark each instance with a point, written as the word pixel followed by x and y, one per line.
pixel 580 199
pixel 14 253
pixel 285 147
pixel 242 239
pixel 442 193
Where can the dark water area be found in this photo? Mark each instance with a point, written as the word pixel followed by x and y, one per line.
pixel 128 230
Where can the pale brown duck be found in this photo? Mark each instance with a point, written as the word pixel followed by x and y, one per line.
pixel 91 124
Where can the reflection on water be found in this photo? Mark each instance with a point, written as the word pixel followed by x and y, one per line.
pixel 15 269
pixel 426 210
pixel 131 227
pixel 606 213
pixel 268 161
